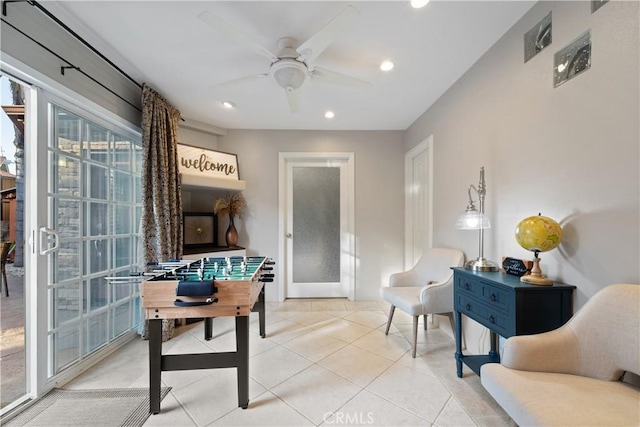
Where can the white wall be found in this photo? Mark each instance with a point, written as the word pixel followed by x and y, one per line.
pixel 571 153
pixel 379 195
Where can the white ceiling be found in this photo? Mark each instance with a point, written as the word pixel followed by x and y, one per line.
pixel 163 44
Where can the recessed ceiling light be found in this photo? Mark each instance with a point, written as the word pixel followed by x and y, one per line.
pixel 387 65
pixel 329 114
pixel 417 4
pixel 228 104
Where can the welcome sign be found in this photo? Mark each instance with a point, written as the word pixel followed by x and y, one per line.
pixel 207 163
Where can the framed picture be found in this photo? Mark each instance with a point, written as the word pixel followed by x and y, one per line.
pixel 200 229
pixel 572 60
pixel 597 4
pixel 537 38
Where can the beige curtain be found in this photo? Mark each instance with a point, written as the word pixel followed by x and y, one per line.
pixel 161 199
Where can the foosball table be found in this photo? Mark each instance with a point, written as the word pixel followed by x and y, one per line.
pixel 206 288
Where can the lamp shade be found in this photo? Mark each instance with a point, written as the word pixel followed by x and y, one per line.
pixel 472 220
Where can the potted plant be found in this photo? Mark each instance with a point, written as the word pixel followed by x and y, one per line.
pixel 231 204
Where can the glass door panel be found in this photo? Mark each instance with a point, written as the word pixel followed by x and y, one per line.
pixel 15 330
pixel 316 220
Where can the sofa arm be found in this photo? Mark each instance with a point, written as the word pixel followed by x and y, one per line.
pixel 555 351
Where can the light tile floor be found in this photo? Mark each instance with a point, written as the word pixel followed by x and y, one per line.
pixel 323 362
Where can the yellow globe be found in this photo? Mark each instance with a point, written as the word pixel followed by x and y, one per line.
pixel 538 233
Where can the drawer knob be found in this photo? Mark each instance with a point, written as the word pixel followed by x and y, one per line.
pixel 466 286
pixel 468 306
pixel 492 319
pixel 493 297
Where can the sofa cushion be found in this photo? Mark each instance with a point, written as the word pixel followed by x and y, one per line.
pixel 552 399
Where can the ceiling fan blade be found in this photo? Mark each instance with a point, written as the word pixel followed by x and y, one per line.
pixel 322 75
pixel 293 96
pixel 239 81
pixel 317 43
pixel 236 35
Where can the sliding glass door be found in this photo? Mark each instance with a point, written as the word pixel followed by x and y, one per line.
pixel 87 231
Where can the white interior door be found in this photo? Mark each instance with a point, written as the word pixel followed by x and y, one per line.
pixel 317 221
pixel 418 182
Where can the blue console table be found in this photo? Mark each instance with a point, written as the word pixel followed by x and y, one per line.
pixel 506 307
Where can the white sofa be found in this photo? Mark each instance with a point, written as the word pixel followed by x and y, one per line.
pixel 572 376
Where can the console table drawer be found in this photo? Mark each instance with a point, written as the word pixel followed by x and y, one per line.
pixel 495 296
pixel 468 286
pixel 485 315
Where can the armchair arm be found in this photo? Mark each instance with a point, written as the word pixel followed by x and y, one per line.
pixel 405 278
pixel 437 297
pixel 555 351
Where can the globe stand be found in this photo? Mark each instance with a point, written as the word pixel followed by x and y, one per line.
pixel 536 277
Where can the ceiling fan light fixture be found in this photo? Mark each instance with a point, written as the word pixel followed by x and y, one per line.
pixel 387 65
pixel 289 73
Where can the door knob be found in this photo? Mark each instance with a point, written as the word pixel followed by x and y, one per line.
pixel 289 235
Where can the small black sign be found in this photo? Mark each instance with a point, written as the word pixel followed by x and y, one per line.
pixel 515 267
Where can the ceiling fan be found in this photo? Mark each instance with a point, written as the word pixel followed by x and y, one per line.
pixel 292 65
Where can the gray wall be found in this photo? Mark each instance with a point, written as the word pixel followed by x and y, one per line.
pixel 571 153
pixel 379 195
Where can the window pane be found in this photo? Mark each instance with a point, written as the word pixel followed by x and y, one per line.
pixel 97 256
pixel 120 290
pixel 67 130
pixel 66 303
pixel 121 319
pixel 96 182
pixel 137 157
pixel 65 175
pixel 121 153
pixel 96 219
pixel 123 255
pixel 66 261
pixel 121 187
pixel 97 144
pixel 96 331
pixel 122 219
pixel 66 345
pixel 96 294
pixel 67 217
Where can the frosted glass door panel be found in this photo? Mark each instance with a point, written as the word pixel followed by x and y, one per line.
pixel 316 224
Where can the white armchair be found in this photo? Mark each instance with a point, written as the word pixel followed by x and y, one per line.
pixel 426 288
pixel 573 376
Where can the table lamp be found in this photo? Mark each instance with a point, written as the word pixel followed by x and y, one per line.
pixel 474 219
pixel 538 234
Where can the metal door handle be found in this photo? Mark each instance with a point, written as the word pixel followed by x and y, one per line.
pixel 46 232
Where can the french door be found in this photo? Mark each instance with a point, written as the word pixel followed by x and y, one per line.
pixel 317 198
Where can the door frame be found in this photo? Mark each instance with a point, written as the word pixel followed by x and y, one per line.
pixel 410 200
pixel 347 238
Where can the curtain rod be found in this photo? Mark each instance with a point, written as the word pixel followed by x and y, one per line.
pixel 70 65
pixel 77 37
pixel 83 41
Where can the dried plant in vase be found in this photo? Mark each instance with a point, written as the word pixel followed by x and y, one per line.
pixel 231 204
